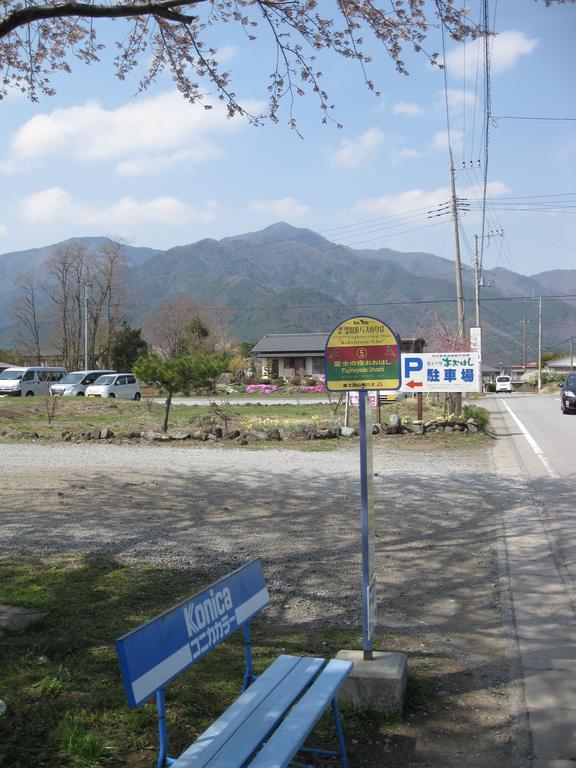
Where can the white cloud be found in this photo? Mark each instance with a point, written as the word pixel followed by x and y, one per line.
pixel 352 152
pixel 458 99
pixel 440 139
pixel 56 205
pixel 406 154
pixel 284 208
pixel 505 50
pixel 142 136
pixel 3 230
pixel 410 200
pixel 407 108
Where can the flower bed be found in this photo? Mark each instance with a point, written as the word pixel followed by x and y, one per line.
pixel 261 389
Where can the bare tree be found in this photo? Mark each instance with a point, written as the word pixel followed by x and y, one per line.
pixel 106 306
pixel 178 327
pixel 25 308
pixel 39 37
pixel 65 272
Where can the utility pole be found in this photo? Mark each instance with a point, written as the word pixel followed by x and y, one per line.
pixel 539 343
pixel 477 279
pixel 525 322
pixel 571 353
pixel 460 332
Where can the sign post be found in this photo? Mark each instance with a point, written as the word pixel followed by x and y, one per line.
pixel 363 354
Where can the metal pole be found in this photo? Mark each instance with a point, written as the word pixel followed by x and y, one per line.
pixel 85 326
pixel 525 323
pixel 458 265
pixel 571 353
pixel 365 498
pixel 477 279
pixel 539 343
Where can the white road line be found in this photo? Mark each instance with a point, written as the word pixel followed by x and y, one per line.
pixel 532 443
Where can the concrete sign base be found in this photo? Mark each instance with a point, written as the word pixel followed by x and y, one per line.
pixel 378 685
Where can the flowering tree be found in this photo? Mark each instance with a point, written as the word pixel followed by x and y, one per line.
pixel 39 37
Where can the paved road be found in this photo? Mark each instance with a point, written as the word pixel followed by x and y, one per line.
pixel 539 555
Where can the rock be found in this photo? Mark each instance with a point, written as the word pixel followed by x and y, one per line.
pixel 161 437
pixel 273 434
pixel 43 659
pixel 94 434
pixel 419 429
pixel 134 435
pixel 376 429
pixel 327 434
pixel 15 617
pixel 305 433
pixel 211 437
pixel 106 434
pixel 197 435
pixel 394 420
pixel 347 432
pixel 471 426
pixel 216 431
pixel 232 435
pixel 186 436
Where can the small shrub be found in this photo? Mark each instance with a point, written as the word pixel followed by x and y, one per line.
pixel 83 747
pixel 491 387
pixel 278 382
pixel 51 404
pixel 480 415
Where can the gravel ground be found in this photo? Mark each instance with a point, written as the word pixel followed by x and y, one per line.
pixel 438 519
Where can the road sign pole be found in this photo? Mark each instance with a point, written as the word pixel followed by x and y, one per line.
pixel 367 525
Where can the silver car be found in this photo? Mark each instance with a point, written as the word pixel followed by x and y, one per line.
pixel 74 384
pixel 122 385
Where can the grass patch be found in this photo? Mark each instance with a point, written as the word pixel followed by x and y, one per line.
pixel 60 677
pixel 25 419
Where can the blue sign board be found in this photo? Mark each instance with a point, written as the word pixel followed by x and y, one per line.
pixel 155 653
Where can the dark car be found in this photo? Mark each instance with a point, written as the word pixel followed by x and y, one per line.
pixel 568 394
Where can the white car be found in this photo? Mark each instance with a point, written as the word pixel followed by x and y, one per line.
pixel 122 385
pixel 74 384
pixel 503 384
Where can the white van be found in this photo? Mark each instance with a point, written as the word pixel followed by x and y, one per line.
pixel 75 383
pixel 28 382
pixel 503 384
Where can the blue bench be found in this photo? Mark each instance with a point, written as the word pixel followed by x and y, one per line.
pixel 269 722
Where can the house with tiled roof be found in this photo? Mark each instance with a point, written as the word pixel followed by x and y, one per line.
pixel 289 355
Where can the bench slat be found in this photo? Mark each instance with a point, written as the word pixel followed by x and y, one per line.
pixel 252 716
pixel 284 743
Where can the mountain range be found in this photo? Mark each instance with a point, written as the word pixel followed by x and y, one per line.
pixel 286 279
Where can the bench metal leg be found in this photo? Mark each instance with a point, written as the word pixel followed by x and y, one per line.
pixel 340 738
pixel 339 734
pixel 248 676
pixel 163 759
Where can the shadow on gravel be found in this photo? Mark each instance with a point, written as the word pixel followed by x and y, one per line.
pixel 437 572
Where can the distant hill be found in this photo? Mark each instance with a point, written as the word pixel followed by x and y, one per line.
pixel 283 278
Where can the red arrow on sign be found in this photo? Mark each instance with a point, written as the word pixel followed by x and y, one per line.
pixel 413 384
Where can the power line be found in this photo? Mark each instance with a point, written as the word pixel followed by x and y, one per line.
pixel 410 302
pixel 529 117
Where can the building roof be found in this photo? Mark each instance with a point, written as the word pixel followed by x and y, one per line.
pixel 560 362
pixel 284 343
pixel 310 343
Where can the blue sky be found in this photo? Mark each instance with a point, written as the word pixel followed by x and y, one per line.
pixel 96 159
